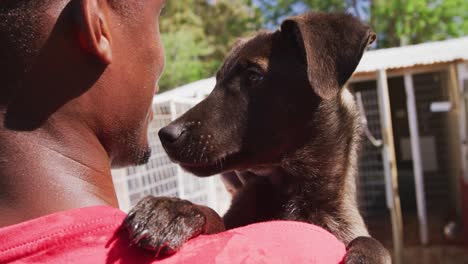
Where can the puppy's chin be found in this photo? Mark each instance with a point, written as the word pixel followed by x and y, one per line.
pixel 203 171
pixel 228 163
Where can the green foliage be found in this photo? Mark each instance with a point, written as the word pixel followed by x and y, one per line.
pixel 397 22
pixel 275 10
pixel 184 64
pixel 198 34
pixel 227 21
pixel 400 22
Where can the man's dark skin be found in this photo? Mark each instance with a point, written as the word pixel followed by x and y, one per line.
pixel 77 81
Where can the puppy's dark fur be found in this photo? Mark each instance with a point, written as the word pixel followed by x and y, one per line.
pixel 283 130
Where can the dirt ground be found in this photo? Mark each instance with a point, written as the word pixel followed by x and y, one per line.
pixel 439 251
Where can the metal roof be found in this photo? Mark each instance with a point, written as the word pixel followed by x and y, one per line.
pixel 414 55
pixel 373 60
pixel 192 90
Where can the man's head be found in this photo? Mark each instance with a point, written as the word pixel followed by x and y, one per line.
pixel 82 63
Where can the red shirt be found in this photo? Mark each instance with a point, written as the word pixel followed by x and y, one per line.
pixel 91 235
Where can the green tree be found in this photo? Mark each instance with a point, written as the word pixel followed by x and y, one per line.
pixel 184 63
pixel 397 22
pixel 197 34
pixel 226 21
pixel 274 11
pixel 402 22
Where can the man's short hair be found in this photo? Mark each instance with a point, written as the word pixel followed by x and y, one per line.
pixel 19 36
pixel 20 20
pixel 22 30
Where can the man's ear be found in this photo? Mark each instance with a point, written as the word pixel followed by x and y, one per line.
pixel 94 34
pixel 331 46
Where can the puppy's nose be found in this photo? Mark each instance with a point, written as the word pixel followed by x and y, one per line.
pixel 170 133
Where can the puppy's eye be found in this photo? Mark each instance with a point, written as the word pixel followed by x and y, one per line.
pixel 253 77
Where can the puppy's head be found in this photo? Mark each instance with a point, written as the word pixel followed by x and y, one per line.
pixel 267 94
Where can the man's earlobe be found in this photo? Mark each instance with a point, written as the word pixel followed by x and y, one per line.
pixel 93 30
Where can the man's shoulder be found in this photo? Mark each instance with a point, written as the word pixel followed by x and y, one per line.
pixel 93 235
pixel 85 235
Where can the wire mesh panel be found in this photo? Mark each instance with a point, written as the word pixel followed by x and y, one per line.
pixel 434 133
pixel 371 177
pixel 371 182
pixel 161 177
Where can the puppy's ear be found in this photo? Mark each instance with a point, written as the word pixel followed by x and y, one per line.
pixel 330 45
pixel 239 42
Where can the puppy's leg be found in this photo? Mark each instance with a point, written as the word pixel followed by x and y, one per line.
pixel 232 183
pixel 257 201
pixel 366 250
pixel 163 224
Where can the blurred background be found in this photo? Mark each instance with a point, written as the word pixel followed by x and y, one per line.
pixel 412 86
pixel 198 33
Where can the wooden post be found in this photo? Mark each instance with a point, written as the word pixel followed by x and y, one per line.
pixel 462 74
pixel 389 164
pixel 417 160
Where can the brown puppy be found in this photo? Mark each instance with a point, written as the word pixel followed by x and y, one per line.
pixel 280 123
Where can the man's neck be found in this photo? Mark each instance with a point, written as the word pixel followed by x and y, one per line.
pixel 52 169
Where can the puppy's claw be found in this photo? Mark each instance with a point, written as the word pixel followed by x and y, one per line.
pixel 129 217
pixel 134 228
pixel 138 237
pixel 164 250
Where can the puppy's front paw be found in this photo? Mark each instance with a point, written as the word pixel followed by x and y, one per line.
pixel 366 250
pixel 163 224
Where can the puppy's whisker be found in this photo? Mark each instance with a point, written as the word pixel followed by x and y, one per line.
pixel 222 160
pixel 202 153
pixel 190 153
pixel 184 152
